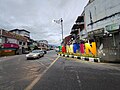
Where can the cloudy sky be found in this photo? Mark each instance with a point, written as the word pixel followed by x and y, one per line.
pixel 37 17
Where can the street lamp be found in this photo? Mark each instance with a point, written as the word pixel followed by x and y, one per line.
pixel 60 21
pixel 1 30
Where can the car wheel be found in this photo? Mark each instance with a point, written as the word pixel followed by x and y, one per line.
pixel 38 57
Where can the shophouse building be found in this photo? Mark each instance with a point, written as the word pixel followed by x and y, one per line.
pixel 33 45
pixel 78 30
pixel 23 33
pixel 43 44
pixel 67 40
pixel 102 22
pixel 12 41
pixel 75 33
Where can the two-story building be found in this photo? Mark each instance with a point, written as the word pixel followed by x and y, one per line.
pixel 23 33
pixel 12 41
pixel 78 30
pixel 43 44
pixel 102 22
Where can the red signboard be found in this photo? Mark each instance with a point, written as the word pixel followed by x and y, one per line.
pixel 10 45
pixel 7 51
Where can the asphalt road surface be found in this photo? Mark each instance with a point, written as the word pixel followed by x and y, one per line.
pixel 16 73
pixel 52 72
pixel 68 74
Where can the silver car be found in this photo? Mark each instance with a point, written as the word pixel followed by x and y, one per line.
pixel 35 54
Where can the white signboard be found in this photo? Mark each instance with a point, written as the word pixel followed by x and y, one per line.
pixel 12 40
pixel 112 27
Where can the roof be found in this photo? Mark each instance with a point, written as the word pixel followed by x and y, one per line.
pixel 13 35
pixel 80 19
pixel 89 2
pixel 76 26
pixel 19 30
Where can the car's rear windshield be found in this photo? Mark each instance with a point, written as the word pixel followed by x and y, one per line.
pixel 35 51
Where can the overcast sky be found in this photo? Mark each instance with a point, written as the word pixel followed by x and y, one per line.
pixel 37 17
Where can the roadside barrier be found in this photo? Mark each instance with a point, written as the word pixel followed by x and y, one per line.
pixel 81 58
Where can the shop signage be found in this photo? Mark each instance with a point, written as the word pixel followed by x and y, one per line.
pixel 112 27
pixel 84 48
pixel 10 45
pixel 96 32
pixel 7 51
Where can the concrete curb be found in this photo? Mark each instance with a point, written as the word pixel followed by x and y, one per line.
pixel 81 58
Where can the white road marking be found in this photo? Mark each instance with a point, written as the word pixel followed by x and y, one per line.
pixel 42 64
pixel 78 80
pixel 77 77
pixel 29 87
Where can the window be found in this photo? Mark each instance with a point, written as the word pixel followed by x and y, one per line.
pixel 20 43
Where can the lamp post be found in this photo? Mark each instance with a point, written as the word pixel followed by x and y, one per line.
pixel 1 36
pixel 60 21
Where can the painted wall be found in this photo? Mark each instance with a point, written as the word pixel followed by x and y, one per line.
pixel 99 10
pixel 105 14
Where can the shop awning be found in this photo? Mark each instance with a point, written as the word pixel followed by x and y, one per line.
pixel 10 45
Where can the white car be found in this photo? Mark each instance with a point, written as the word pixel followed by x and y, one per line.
pixel 35 54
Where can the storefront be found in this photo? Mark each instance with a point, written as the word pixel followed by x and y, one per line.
pixel 14 41
pixel 111 43
pixel 108 42
pixel 9 49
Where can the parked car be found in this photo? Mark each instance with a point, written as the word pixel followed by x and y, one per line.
pixel 57 49
pixel 35 54
pixel 26 52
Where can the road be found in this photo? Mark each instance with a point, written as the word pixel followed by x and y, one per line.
pixel 16 73
pixel 57 73
pixel 71 74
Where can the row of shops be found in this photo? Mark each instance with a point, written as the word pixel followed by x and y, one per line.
pixel 15 42
pixel 12 43
pixel 99 23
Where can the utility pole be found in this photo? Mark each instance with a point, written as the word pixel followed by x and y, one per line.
pixel 60 21
pixel 1 33
pixel 1 36
pixel 62 27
